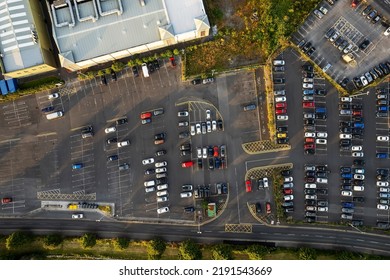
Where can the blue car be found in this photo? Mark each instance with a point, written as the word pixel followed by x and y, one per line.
pixel 381 155
pixel 308 92
pixel 348 205
pixel 320 110
pixel 77 165
pixel 358 125
pixel 346 175
pixel 382 108
pixel 48 109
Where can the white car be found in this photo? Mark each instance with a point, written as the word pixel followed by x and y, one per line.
pixel 110 129
pixel 345 136
pixel 310 168
pixel 150 189
pixel 310 186
pixel 310 134
pixel 322 180
pixel 185 194
pixel 161 170
pixel 318 14
pixel 346 193
pixel 204 152
pixel 357 148
pixel 214 125
pixel 326 68
pixel 322 209
pixel 384 189
pixel 348 48
pixel 311 208
pixel 162 187
pixel 323 10
pixel 288 197
pixel 308 80
pixel 382 184
pixel 321 141
pixel 358 188
pixel 198 129
pixel 322 135
pixel 162 199
pixel 53 95
pixel 208 123
pixel 308 196
pixel 308 116
pixel 382 138
pixel 148 161
pixel 346 99
pixel 358 154
pixel 123 143
pixel 265 181
pixel 77 216
pixel 199 152
pixel 162 210
pixel 280 99
pixel 182 114
pixel 193 131
pixel 307 85
pixel 308 98
pixel 382 207
pixel 282 117
pixel 288 179
pixel 161 164
pixel 150 183
pixel 387 32
pixel 359 171
pixel 364 80
pixel 162 193
pixel 208 115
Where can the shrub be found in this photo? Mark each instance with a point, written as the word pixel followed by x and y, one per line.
pixel 189 250
pixel 88 240
pixel 52 241
pixel 256 252
pixel 156 248
pixel 307 254
pixel 222 252
pixel 121 243
pixel 18 239
pixel 118 66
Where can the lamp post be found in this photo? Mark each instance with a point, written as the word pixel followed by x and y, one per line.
pixel 199 219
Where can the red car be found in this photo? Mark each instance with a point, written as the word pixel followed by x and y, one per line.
pixel 187 164
pixel 357 113
pixel 354 3
pixel 307 104
pixel 287 191
pixel 6 200
pixel 146 115
pixel 280 111
pixel 172 60
pixel 309 146
pixel 309 140
pixel 268 207
pixel 248 185
pixel 281 105
pixel 216 153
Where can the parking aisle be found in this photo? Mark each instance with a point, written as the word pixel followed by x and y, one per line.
pixel 382 122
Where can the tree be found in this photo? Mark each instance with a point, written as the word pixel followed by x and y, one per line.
pixel 52 241
pixel 131 63
pixel 176 52
pixel 222 252
pixel 88 240
pixel 156 248
pixel 18 239
pixel 307 254
pixel 256 252
pixel 189 250
pixel 121 243
pixel 138 61
pixel 118 66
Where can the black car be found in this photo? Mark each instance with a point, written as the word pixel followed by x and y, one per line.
pixel 329 33
pixel 358 182
pixel 150 67
pixel 184 134
pixel 344 169
pixel 189 209
pixel 135 71
pixel 103 80
pixel 310 179
pixel 320 116
pixel 310 191
pixel 322 168
pixel 211 163
pixel 196 81
pixel 347 130
pixel 357 82
pixel 344 82
pixel 217 163
pixel 282 140
pixel 308 68
pixel 160 153
pixel 322 203
pixel 384 68
pixel 381 177
pixel 258 207
pixel 159 136
pixel 310 152
pixel 121 121
pixel 346 181
pixel 150 171
pixel 48 109
pixel 112 158
pixel 308 74
pixel 310 202
pixel 285 172
pixel 219 124
pixel 346 187
pixel 309 122
pixel 344 106
pixel 112 140
pixel 320 92
pixel 382 171
pixel 358 199
pixel 113 76
pixel 345 142
pixel 282 128
pixel 311 51
pixel 224 188
pixel 345 124
pixel 156 64
pixel 378 71
pixel 307 47
pixel 357 106
pixel 357 136
pixel 364 44
pixel 200 163
pixel 210 151
pixel 359 162
pixel 322 174
pixel 310 173
pixel 322 191
pixel 161 181
pixel 357 223
pixel 359 131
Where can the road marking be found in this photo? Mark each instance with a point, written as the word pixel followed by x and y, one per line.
pixel 10 140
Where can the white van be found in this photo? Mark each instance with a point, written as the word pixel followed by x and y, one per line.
pixel 358 188
pixel 278 62
pixel 54 115
pixel 145 70
pixel 149 183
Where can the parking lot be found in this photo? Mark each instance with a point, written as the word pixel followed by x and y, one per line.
pixel 341 31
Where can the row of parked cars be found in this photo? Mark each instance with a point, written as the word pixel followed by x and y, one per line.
pixel 280 105
pixel 382 108
pixel 341 43
pixel 315 191
pixel 379 71
pixel 207 126
pixel 288 190
pixel 383 188
pixel 352 180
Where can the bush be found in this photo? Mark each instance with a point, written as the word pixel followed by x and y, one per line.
pixel 121 243
pixel 189 250
pixel 88 240
pixel 222 252
pixel 156 248
pixel 176 52
pixel 52 241
pixel 118 66
pixel 307 254
pixel 256 252
pixel 18 239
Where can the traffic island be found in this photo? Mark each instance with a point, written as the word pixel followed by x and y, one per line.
pixel 265 146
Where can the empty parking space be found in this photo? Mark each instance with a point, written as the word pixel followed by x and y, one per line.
pixel 16 114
